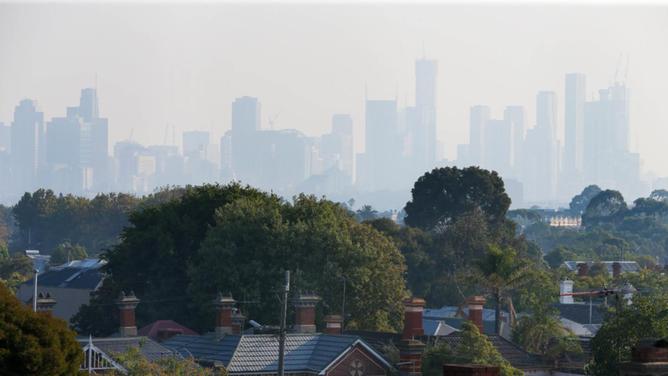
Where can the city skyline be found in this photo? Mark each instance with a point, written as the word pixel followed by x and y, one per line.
pixel 338 74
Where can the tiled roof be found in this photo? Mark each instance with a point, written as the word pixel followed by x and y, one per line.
pixel 204 347
pixel 579 312
pixel 452 311
pixel 258 353
pixel 517 357
pixel 150 349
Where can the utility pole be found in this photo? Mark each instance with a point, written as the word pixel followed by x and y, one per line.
pixel 34 297
pixel 281 338
pixel 343 306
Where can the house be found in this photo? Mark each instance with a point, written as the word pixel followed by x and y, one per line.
pixel 614 268
pixel 306 352
pixel 448 319
pixel 70 284
pixel 161 330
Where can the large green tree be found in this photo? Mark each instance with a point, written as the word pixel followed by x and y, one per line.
pixel 256 238
pixel 440 196
pixel 34 343
pixel 606 207
pixel 579 202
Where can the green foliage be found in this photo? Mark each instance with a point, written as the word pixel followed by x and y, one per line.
pixel 440 196
pixel 34 343
pixel 556 257
pixel 45 220
pixel 255 239
pixel 475 348
pixel 542 333
pixel 606 207
pixel 66 252
pixel 137 365
pixel 366 213
pixel 580 202
pixel 177 255
pixel 622 329
pixel 15 270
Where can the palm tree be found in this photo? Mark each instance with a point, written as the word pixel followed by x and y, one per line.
pixel 501 271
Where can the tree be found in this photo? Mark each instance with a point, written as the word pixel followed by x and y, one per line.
pixel 606 207
pixel 623 328
pixel 557 256
pixel 659 195
pixel 15 270
pixel 256 238
pixel 542 333
pixel 474 348
pixel 34 343
pixel 440 196
pixel 66 252
pixel 502 271
pixel 580 202
pixel 366 213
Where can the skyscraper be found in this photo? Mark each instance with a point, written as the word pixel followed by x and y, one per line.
pixel 425 132
pixel 498 146
pixel 5 137
pixel 515 116
pixel 378 167
pixel 574 124
pixel 195 143
pixel 28 145
pixel 541 176
pixel 246 115
pixel 337 146
pixel 479 116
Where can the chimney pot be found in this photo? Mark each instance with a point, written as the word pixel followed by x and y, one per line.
pixel 126 307
pixel 45 302
pixel 583 269
pixel 411 349
pixel 238 322
pixel 305 312
pixel 413 309
pixel 333 324
pixel 476 304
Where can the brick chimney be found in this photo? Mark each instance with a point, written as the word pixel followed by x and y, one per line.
pixel 45 302
pixel 583 269
pixel 126 309
pixel 616 269
pixel 305 312
pixel 566 287
pixel 413 309
pixel 410 348
pixel 238 321
pixel 224 307
pixel 476 304
pixel 333 324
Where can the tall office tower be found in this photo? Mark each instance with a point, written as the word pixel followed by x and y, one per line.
pixel 478 119
pixel 63 154
pixel 5 137
pixel 88 106
pixel 246 115
pixel 226 172
pixel 515 116
pixel 606 129
pixel 285 157
pixel 336 148
pixel 28 152
pixel 381 146
pixel 574 123
pixel 126 155
pixel 94 144
pixel 541 175
pixel 195 143
pixel 425 132
pixel 498 146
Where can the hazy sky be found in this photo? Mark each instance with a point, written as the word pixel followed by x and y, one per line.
pixel 184 64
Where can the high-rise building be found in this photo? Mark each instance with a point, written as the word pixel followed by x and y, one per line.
pixel 246 115
pixel 498 146
pixel 28 145
pixel 574 123
pixel 424 134
pixel 541 157
pixel 514 115
pixel 336 149
pixel 479 116
pixel 381 146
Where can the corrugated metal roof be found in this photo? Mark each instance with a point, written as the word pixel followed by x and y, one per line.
pixel 79 274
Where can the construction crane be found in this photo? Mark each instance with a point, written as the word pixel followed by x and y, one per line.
pixel 272 120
